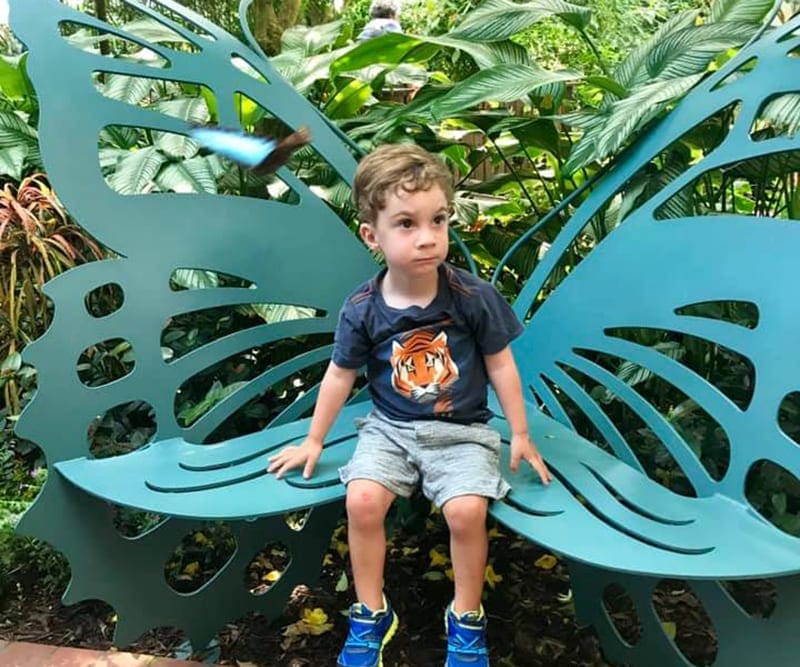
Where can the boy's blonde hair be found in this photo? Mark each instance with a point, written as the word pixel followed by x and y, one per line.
pixel 393 167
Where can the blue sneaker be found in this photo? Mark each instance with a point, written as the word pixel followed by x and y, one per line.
pixel 466 639
pixel 369 632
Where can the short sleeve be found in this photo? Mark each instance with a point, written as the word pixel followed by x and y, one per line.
pixel 496 323
pixel 351 344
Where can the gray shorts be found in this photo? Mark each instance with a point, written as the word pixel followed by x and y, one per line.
pixel 450 459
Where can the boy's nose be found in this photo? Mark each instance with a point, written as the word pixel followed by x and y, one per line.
pixel 427 236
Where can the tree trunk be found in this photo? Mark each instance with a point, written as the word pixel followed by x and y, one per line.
pixel 270 19
pixel 260 23
pixel 101 12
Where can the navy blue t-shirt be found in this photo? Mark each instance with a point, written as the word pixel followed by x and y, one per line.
pixel 427 363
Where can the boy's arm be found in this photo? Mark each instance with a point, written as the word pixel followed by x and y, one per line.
pixel 333 392
pixel 504 376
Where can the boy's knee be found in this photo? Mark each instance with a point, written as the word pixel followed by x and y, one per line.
pixel 365 505
pixel 465 513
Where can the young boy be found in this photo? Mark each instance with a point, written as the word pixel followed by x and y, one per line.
pixel 432 337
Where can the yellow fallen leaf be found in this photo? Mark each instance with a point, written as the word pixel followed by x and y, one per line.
pixel 495 533
pixel 438 558
pixel 192 568
pixel 314 622
pixel 340 546
pixel 200 538
pixel 546 562
pixel 450 574
pixel 491 576
pixel 271 576
pixel 669 629
pixel 328 560
pixel 408 551
pixel 316 616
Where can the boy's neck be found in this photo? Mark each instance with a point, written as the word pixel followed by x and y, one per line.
pixel 403 291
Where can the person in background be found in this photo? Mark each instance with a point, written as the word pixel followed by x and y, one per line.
pixel 383 19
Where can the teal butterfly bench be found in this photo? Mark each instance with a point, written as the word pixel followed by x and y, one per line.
pixel 603 513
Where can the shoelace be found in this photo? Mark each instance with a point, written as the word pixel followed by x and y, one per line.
pixel 360 638
pixel 469 647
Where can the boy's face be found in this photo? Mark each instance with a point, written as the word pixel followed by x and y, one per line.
pixel 411 231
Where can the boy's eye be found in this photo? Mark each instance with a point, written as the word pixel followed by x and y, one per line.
pixel 406 224
pixel 440 219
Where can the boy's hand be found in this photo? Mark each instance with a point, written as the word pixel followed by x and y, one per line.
pixel 307 453
pixel 523 448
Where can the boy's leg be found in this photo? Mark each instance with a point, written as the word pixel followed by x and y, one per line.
pixel 367 505
pixel 469 545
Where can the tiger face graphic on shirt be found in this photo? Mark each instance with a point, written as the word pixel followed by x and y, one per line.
pixel 423 369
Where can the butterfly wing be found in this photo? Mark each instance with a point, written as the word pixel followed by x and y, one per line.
pixel 611 350
pixel 176 255
pixel 244 149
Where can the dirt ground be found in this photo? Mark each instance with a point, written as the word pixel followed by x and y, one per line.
pixel 531 619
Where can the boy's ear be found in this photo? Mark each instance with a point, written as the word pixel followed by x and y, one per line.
pixel 367 233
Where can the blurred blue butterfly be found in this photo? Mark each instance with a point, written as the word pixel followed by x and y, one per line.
pixel 260 154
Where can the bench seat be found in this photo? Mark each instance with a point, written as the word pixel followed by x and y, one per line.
pixel 633 523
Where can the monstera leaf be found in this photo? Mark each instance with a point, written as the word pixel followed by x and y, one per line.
pixel 152 200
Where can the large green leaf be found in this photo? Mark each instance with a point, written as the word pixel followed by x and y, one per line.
pixel 607 131
pixel 389 49
pixel 502 83
pixel 14 131
pixel 135 172
pixel 152 31
pixel 493 53
pixel 632 71
pixel 496 20
pixel 531 132
pixel 12 159
pixel 607 84
pixel 110 156
pixel 195 278
pixel 128 89
pixel 175 145
pixel 302 72
pixel 381 120
pixel 750 11
pixel 783 113
pixel 311 40
pixel 272 313
pixel 193 175
pixel 192 109
pixel 12 78
pixel 145 29
pixel 690 50
pixel 396 48
pixel 348 100
pixel 216 394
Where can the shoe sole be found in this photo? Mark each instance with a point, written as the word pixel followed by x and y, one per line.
pixel 389 634
pixel 446 627
pixel 386 639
